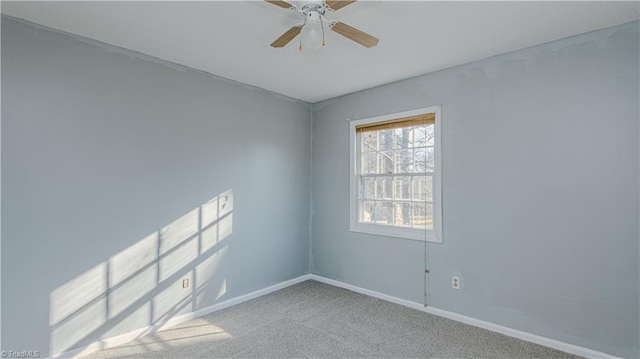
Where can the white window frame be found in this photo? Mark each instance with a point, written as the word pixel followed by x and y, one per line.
pixel 433 235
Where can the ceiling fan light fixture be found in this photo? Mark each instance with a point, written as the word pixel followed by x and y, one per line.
pixel 312 36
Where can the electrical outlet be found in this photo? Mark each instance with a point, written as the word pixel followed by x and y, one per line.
pixel 455 282
pixel 185 283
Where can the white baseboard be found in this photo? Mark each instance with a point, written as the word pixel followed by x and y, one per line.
pixel 132 335
pixel 547 342
pixel 128 337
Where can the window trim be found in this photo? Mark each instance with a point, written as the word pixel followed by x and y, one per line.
pixel 434 235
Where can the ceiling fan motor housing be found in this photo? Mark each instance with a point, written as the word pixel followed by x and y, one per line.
pixel 313 12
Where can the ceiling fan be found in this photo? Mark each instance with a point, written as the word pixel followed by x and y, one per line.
pixel 314 24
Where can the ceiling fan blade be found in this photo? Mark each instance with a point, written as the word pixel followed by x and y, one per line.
pixel 281 3
pixel 287 37
pixel 354 34
pixel 338 4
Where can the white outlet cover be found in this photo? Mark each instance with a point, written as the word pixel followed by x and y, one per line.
pixel 455 282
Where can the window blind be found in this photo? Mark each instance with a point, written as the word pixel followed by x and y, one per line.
pixel 426 119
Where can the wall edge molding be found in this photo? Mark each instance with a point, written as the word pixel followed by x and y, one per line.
pixel 112 342
pixel 518 334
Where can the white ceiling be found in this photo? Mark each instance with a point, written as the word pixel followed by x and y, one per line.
pixel 231 39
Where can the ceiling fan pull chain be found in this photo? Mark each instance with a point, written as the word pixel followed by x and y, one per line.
pixel 322 26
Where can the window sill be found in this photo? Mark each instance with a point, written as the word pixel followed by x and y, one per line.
pixel 396 232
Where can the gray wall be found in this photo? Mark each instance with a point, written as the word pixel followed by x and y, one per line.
pixel 110 157
pixel 540 190
pixel 102 151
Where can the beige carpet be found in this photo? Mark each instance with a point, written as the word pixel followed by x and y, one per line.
pixel 315 320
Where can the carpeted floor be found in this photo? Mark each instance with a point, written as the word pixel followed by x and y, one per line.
pixel 316 320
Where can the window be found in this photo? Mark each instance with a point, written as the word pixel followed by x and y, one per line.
pixel 395 175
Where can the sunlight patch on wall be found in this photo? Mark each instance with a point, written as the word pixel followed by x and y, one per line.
pixel 223 289
pixel 178 231
pixel 142 285
pixel 226 203
pixel 209 212
pixel 225 227
pixel 131 291
pixel 206 278
pixel 132 274
pixel 173 262
pixel 209 238
pixel 170 302
pixel 78 306
pixel 133 259
pixel 207 268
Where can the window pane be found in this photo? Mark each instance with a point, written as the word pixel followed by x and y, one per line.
pixel 420 160
pixel 386 162
pixel 429 215
pixel 368 190
pixel 422 215
pixel 424 160
pixel 422 188
pixel 384 188
pixel 366 211
pixel 403 137
pixel 430 166
pixel 384 212
pixel 385 142
pixel 369 162
pixel 370 141
pixel 419 136
pixel 430 135
pixel 402 215
pixel 402 187
pixel 404 161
